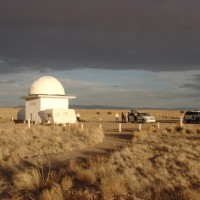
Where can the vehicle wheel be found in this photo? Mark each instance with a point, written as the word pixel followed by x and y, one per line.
pixel 143 121
pixel 197 120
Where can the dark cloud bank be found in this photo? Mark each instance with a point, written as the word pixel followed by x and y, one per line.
pixel 108 34
pixel 195 83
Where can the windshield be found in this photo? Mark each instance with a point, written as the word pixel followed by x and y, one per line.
pixel 145 114
pixel 191 113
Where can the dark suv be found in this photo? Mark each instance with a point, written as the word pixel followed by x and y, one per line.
pixel 192 116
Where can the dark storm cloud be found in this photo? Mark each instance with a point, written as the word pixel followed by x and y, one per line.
pixel 194 85
pixel 108 34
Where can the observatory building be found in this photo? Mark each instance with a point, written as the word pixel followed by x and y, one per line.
pixel 47 102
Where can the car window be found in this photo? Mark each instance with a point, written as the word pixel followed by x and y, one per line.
pixel 145 114
pixel 192 113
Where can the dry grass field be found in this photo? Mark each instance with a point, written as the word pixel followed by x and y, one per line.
pixel 17 142
pixel 109 115
pixel 8 113
pixel 153 164
pixel 99 115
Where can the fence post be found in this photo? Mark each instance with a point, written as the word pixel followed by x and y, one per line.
pixel 81 126
pixel 29 123
pixel 158 126
pixel 120 127
pixel 181 121
pixel 100 126
pixel 140 127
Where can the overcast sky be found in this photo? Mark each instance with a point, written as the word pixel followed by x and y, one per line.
pixel 109 52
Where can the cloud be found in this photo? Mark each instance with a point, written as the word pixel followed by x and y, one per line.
pixel 7 81
pixel 119 88
pixel 107 34
pixel 195 84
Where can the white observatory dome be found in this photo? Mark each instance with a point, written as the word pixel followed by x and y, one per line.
pixel 46 85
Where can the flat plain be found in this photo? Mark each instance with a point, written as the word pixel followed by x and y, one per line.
pixel 98 161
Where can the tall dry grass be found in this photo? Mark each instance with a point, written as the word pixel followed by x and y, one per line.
pixel 163 164
pixel 18 143
pixel 159 164
pixel 28 179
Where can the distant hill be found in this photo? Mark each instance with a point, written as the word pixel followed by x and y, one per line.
pixel 93 107
pixel 99 107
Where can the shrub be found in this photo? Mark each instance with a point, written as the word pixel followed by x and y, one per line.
pixel 139 136
pixel 86 176
pixel 27 180
pixel 97 113
pixel 188 131
pixel 54 193
pixel 66 183
pixel 113 185
pixel 82 195
pixel 109 113
pixel 152 128
pixel 53 177
pixel 169 130
pixel 178 129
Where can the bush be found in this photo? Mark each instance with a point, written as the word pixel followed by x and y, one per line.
pixel 27 180
pixel 113 185
pixel 66 183
pixel 178 129
pixel 97 113
pixel 86 176
pixel 109 113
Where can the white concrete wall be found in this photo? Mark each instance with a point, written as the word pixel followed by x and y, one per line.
pixel 54 103
pixel 35 108
pixel 60 116
pixel 32 110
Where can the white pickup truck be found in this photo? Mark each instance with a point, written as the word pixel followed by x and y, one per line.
pixel 141 117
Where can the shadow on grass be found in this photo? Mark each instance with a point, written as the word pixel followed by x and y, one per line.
pixel 121 136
